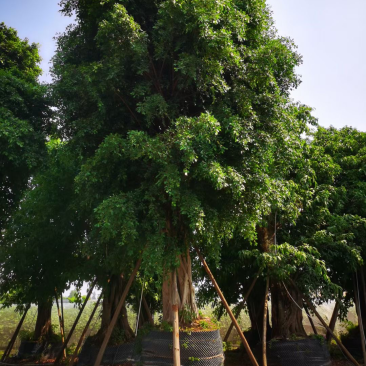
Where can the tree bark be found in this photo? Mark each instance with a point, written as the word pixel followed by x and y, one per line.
pixel 240 307
pixel 112 296
pixel 184 287
pixel 43 328
pixel 359 316
pixel 286 315
pixel 311 320
pixel 333 321
pixel 147 311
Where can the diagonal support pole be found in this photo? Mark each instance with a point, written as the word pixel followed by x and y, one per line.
pixel 60 354
pixel 241 305
pixel 72 360
pixel 116 314
pixel 62 331
pixel 14 337
pixel 227 307
pixel 325 325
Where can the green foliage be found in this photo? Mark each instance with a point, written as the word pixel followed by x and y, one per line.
pixel 26 335
pixel 203 324
pixel 41 247
pixel 18 55
pixel 186 315
pixel 166 327
pixel 227 346
pixel 24 118
pixel 181 112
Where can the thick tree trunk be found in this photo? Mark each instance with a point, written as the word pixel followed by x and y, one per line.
pixel 111 298
pixel 186 296
pixel 43 327
pixel 255 306
pixel 286 316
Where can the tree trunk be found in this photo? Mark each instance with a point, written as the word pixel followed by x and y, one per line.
pixel 186 297
pixel 111 298
pixel 255 306
pixel 286 316
pixel 43 327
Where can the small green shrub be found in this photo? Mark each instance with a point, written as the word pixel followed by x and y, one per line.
pixel 26 335
pixel 187 315
pixel 203 324
pixel 227 346
pixel 166 327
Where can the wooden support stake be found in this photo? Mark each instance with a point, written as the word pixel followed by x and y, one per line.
pixel 325 325
pixel 175 307
pixel 333 320
pixel 227 307
pixel 116 314
pixel 147 309
pixel 241 306
pixel 60 321
pixel 72 360
pixel 59 356
pixel 264 338
pixel 310 319
pixel 10 346
pixel 359 316
pixel 62 313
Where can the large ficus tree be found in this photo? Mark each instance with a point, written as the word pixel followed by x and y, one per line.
pixel 24 118
pixel 178 108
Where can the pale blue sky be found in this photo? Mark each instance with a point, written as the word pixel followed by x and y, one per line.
pixel 330 35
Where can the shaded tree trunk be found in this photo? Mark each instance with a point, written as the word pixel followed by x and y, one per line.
pixel 186 296
pixel 111 298
pixel 255 306
pixel 286 316
pixel 43 328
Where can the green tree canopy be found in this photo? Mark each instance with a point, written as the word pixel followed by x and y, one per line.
pixel 180 107
pixel 24 117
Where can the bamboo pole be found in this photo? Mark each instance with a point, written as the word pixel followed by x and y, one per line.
pixel 175 307
pixel 325 325
pixel 333 320
pixel 10 346
pixel 310 319
pixel 59 356
pixel 359 316
pixel 227 307
pixel 264 338
pixel 62 331
pixel 116 314
pixel 147 309
pixel 72 360
pixel 241 306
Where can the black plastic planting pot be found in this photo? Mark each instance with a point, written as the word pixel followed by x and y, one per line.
pixel 196 348
pixel 156 349
pixel 113 355
pixel 28 349
pixel 304 352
